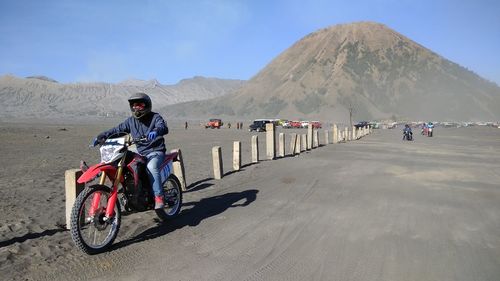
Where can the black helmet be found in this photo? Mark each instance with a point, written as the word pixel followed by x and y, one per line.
pixel 140 98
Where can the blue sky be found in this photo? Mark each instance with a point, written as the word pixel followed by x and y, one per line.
pixel 113 40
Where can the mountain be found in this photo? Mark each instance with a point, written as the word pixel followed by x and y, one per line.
pixel 365 66
pixel 42 97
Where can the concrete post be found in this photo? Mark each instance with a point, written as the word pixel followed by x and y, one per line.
pixel 354 137
pixel 72 189
pixel 281 149
pixel 335 134
pixel 346 134
pixel 255 149
pixel 236 155
pixel 309 136
pixel 178 169
pixel 327 137
pixel 298 144
pixel 217 161
pixel 293 142
pixel 303 146
pixel 270 141
pixel 315 138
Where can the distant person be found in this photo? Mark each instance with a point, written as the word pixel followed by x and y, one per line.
pixel 237 125
pixel 186 125
pixel 229 125
pixel 148 124
pixel 407 133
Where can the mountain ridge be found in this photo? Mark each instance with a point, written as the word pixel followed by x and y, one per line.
pixel 364 66
pixel 39 98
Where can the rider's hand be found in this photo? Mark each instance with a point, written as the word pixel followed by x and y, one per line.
pixel 94 142
pixel 152 135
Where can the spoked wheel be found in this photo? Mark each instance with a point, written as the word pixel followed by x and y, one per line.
pixel 91 231
pixel 173 199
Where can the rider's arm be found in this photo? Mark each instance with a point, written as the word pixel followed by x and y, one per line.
pixel 160 126
pixel 122 127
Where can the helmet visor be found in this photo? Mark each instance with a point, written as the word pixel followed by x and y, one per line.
pixel 138 106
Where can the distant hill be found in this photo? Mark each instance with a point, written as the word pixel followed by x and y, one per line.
pixel 42 97
pixel 365 66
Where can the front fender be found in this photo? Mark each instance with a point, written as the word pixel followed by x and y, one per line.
pixel 93 171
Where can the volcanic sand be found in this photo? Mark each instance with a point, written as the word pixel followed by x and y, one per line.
pixel 374 209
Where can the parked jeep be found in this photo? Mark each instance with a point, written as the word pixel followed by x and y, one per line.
pixel 214 123
pixel 258 125
pixel 361 124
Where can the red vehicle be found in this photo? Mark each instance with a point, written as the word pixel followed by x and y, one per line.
pixel 315 124
pixel 295 124
pixel 96 213
pixel 214 123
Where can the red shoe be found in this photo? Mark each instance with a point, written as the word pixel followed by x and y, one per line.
pixel 159 204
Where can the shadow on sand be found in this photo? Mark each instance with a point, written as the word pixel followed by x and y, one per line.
pixel 198 185
pixel 48 232
pixel 205 208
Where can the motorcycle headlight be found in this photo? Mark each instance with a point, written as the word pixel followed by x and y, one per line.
pixel 107 154
pixel 111 150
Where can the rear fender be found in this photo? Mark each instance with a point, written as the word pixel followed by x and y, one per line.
pixel 170 157
pixel 93 171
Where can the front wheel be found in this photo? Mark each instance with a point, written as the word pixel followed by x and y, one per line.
pixel 91 230
pixel 173 199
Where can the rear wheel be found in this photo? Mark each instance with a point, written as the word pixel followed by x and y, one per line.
pixel 173 199
pixel 91 230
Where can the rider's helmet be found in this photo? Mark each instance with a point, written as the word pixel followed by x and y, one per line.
pixel 407 126
pixel 140 105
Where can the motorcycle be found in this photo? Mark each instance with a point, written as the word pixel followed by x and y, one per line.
pixel 407 135
pixel 429 131
pixel 96 213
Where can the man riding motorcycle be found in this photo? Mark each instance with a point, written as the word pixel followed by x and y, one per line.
pixel 144 123
pixel 407 133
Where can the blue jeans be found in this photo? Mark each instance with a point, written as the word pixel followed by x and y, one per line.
pixel 155 159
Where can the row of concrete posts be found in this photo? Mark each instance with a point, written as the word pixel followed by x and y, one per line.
pixel 298 143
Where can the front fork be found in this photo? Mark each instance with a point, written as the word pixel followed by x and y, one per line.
pixel 110 207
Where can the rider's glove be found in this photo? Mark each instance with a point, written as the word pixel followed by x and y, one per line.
pixel 152 135
pixel 94 142
pixel 98 140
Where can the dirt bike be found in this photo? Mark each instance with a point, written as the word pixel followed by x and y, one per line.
pixel 429 131
pixel 96 213
pixel 407 135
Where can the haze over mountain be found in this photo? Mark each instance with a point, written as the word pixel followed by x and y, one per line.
pixel 365 66
pixel 42 97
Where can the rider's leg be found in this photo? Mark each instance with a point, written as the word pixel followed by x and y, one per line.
pixel 155 159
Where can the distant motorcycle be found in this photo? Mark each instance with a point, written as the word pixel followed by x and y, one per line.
pixel 96 213
pixel 430 129
pixel 407 135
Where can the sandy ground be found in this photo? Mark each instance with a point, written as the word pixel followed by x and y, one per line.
pixel 374 209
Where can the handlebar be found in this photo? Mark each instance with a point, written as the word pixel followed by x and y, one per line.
pixel 128 142
pixel 138 140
